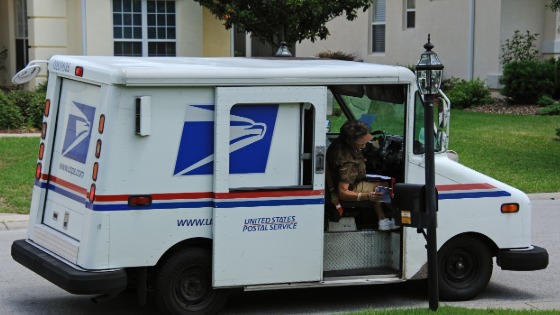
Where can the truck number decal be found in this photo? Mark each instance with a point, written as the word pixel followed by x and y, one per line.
pixel 61 66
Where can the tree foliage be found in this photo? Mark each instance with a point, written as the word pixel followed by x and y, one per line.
pixel 554 5
pixel 290 21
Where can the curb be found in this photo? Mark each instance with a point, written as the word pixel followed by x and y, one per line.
pixel 13 221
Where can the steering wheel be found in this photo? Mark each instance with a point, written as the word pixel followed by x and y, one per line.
pixel 380 136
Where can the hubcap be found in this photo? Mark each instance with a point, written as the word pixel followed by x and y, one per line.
pixel 461 267
pixel 192 287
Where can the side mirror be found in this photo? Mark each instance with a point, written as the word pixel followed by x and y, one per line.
pixel 28 73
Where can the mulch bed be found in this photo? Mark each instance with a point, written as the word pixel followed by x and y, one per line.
pixel 500 106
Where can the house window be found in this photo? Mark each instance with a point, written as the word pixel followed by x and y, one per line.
pixel 144 28
pixel 378 26
pixel 22 57
pixel 410 14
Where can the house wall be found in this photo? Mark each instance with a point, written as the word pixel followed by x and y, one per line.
pixel 99 28
pixel 189 28
pixel 346 36
pixel 216 39
pixel 465 54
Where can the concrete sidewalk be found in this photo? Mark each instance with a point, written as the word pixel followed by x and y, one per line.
pixel 20 134
pixel 13 221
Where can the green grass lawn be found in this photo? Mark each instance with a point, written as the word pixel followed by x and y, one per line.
pixel 18 157
pixel 522 151
pixel 448 310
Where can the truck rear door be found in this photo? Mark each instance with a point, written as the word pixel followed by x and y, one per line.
pixel 268 185
pixel 69 176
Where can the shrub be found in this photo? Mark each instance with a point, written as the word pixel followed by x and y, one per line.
pixel 336 55
pixel 556 93
pixel 466 94
pixel 41 87
pixel 520 48
pixel 545 100
pixel 449 83
pixel 30 105
pixel 550 110
pixel 10 116
pixel 525 81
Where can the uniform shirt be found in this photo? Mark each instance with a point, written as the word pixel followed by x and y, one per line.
pixel 345 164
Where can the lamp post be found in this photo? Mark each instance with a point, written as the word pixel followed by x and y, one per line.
pixel 429 71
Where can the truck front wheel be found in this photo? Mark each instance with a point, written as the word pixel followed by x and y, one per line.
pixel 465 268
pixel 184 284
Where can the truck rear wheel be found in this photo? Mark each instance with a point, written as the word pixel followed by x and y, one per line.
pixel 465 268
pixel 184 284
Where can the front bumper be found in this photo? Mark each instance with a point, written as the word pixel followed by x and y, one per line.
pixel 532 258
pixel 65 276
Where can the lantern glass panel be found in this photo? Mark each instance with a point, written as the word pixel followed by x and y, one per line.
pixel 421 80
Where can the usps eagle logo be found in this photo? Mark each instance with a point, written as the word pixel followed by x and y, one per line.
pixel 251 130
pixel 78 132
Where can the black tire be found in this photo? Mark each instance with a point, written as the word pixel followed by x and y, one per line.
pixel 184 284
pixel 465 268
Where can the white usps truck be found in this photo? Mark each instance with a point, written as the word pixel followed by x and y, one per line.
pixel 187 178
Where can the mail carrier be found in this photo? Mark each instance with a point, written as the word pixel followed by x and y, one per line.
pixel 187 178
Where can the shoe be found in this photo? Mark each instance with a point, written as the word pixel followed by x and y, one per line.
pixel 393 225
pixel 387 225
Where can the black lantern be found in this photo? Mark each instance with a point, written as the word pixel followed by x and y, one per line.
pixel 429 71
pixel 283 51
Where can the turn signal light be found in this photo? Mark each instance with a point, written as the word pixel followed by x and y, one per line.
pixel 143 200
pixel 44 131
pixel 98 148
pixel 38 171
pixel 101 124
pixel 95 170
pixel 510 208
pixel 47 107
pixel 41 150
pixel 91 194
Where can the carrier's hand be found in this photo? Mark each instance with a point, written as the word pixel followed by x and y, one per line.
pixel 375 196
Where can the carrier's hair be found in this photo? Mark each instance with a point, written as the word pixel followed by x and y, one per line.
pixel 353 130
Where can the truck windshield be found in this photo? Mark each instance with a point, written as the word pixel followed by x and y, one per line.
pixel 381 107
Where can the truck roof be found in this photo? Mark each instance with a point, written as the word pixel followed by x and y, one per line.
pixel 169 71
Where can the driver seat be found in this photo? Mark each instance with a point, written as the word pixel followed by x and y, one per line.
pixel 351 209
